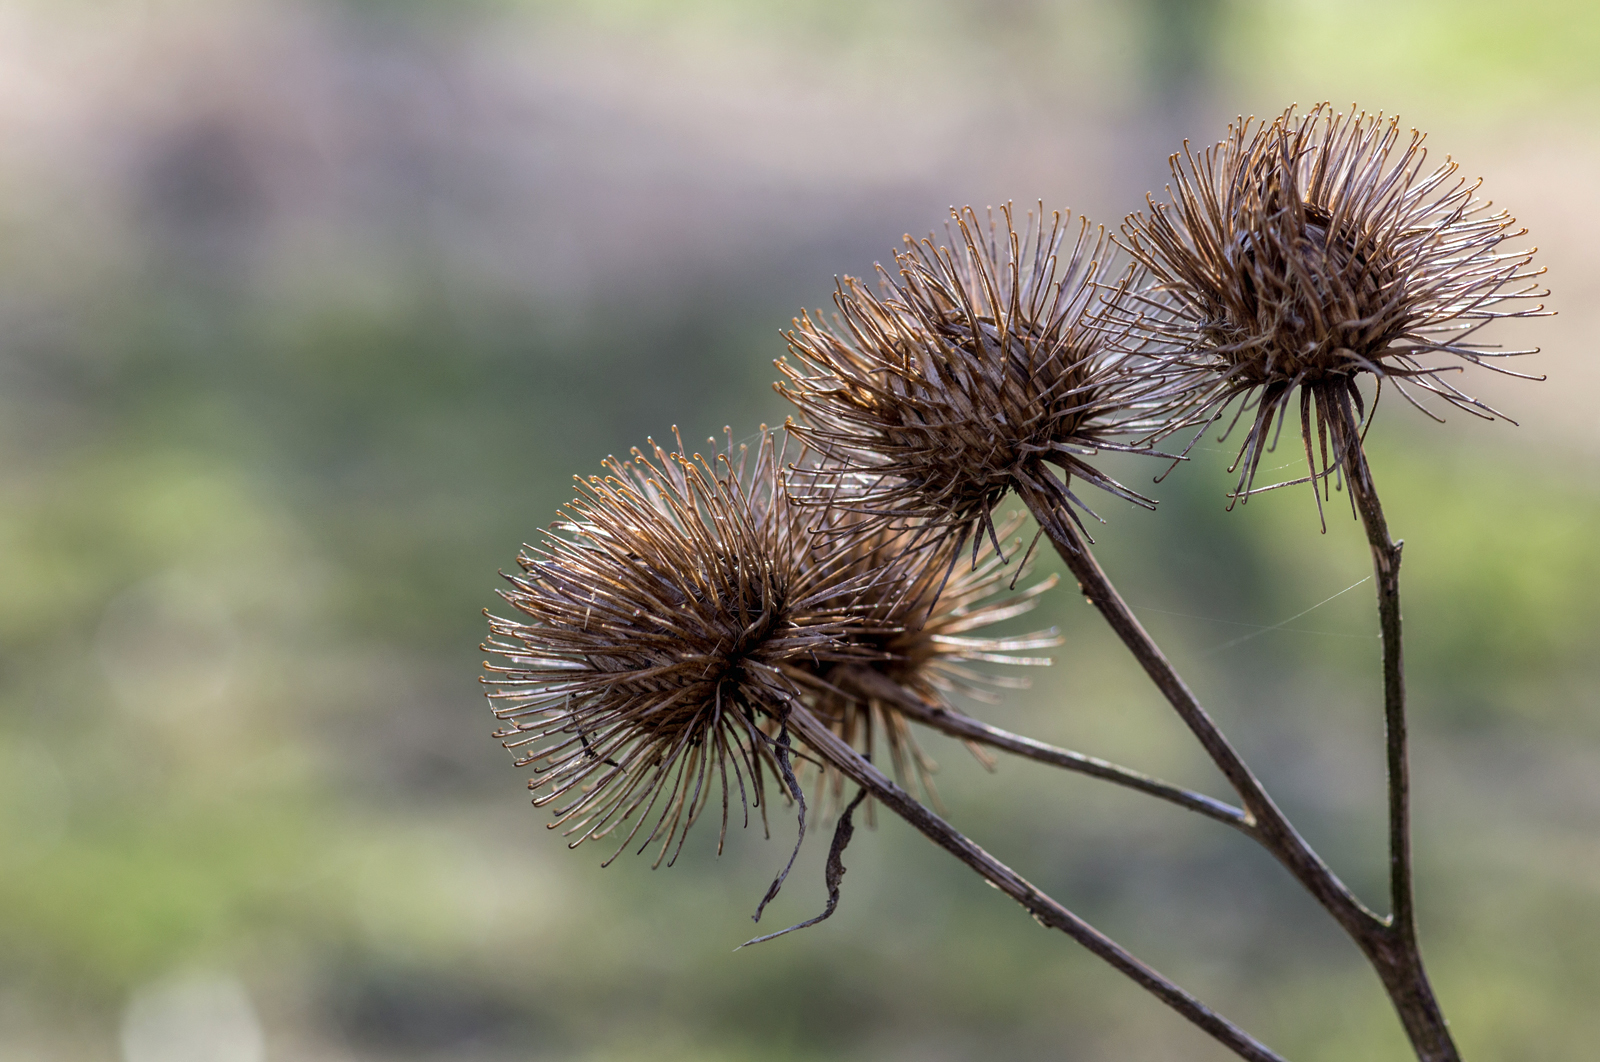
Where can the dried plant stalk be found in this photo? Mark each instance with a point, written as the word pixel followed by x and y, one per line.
pixel 688 616
pixel 1300 255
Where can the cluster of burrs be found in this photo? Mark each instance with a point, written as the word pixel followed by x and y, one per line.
pixel 697 627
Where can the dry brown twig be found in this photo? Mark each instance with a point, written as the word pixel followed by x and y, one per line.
pixel 1301 255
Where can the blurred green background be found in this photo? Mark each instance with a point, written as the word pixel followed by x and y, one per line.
pixel 308 312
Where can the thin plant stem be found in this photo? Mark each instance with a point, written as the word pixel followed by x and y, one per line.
pixel 1399 962
pixel 1045 910
pixel 1389 944
pixel 1267 824
pixel 969 729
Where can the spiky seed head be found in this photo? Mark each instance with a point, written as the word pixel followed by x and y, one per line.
pixel 664 621
pixel 975 364
pixel 923 642
pixel 1302 253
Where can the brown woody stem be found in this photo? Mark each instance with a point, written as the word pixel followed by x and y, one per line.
pixel 1388 943
pixel 1267 824
pixel 1396 956
pixel 833 750
pixel 955 724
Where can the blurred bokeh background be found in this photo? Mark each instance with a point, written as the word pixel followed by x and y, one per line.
pixel 309 311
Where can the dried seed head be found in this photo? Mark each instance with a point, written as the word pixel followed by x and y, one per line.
pixel 1304 252
pixel 917 652
pixel 669 616
pixel 975 366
